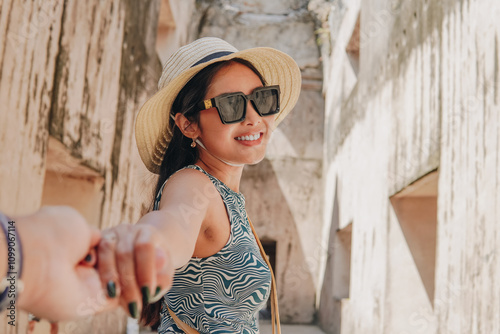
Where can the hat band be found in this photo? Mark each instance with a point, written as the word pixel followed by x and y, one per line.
pixel 212 56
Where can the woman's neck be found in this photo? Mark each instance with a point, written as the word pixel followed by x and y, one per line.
pixel 229 175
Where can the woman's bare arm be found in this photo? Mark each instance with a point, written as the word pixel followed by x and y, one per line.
pixel 140 259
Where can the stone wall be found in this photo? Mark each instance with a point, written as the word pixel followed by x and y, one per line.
pixel 175 18
pixel 73 75
pixel 414 129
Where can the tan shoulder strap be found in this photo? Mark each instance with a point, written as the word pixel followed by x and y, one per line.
pixel 181 324
pixel 275 314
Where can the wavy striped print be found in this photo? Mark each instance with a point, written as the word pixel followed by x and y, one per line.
pixel 222 293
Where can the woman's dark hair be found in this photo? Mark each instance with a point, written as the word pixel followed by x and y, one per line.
pixel 179 152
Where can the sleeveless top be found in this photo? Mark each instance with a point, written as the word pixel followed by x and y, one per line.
pixel 222 293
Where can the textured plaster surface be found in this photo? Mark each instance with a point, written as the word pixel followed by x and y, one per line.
pixel 426 97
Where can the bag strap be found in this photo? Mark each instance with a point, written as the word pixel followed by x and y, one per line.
pixel 181 324
pixel 275 314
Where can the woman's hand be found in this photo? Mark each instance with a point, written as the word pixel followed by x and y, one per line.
pixel 59 278
pixel 133 266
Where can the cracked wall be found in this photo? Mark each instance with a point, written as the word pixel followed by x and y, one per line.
pixel 425 99
pixel 72 78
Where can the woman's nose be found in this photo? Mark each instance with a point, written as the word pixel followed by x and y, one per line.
pixel 252 117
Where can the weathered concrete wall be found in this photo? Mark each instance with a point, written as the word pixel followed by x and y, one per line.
pixel 173 32
pixel 78 72
pixel 28 48
pixel 106 70
pixel 283 193
pixel 426 97
pixel 467 294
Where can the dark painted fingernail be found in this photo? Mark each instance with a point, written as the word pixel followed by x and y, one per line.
pixel 88 258
pixel 145 295
pixel 111 287
pixel 158 290
pixel 132 309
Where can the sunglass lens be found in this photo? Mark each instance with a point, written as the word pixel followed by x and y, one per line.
pixel 232 108
pixel 267 101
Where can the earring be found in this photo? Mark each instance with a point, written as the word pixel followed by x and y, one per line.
pixel 193 144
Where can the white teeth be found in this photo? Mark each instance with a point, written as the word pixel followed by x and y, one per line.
pixel 251 137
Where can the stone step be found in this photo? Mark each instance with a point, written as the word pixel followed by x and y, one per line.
pixel 265 328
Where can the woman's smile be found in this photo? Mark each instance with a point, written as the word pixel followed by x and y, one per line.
pixel 250 139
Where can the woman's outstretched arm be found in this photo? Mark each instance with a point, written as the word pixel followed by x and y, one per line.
pixel 138 261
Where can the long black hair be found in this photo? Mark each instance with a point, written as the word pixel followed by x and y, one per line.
pixel 179 152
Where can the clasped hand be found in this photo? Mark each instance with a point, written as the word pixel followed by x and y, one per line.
pixel 133 266
pixel 72 270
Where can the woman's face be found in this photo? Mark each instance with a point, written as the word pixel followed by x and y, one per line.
pixel 231 142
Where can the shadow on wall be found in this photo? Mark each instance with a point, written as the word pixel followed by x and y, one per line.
pixel 416 209
pixel 303 127
pixel 269 210
pixel 336 280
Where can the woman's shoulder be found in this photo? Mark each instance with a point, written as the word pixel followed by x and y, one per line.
pixel 188 185
pixel 190 181
pixel 188 176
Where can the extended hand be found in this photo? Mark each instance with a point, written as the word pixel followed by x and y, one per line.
pixel 133 266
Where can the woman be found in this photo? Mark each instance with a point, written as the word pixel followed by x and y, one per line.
pixel 214 112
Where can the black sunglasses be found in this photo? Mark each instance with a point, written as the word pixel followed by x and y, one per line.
pixel 232 107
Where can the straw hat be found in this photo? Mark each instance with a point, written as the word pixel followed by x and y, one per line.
pixel 152 129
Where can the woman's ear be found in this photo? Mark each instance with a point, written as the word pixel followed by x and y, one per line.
pixel 188 128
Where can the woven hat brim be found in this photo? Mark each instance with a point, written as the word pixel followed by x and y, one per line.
pixel 152 129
